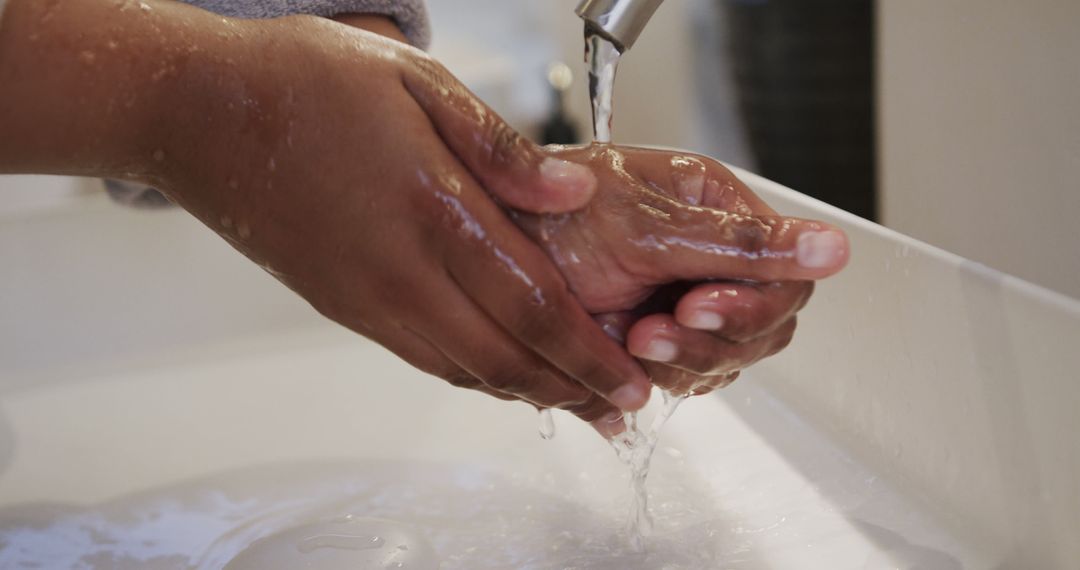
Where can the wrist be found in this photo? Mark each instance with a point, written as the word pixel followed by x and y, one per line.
pixel 75 97
pixel 234 108
pixel 90 86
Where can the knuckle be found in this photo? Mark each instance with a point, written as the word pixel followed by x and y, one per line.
pixel 751 235
pixel 783 337
pixel 504 143
pixel 459 379
pixel 428 69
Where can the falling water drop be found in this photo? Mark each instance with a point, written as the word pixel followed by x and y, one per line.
pixel 547 424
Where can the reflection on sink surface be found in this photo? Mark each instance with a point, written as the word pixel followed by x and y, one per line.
pixel 738 481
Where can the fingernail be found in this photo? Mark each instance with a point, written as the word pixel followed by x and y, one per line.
pixel 610 425
pixel 820 249
pixel 630 397
pixel 660 350
pixel 569 176
pixel 705 320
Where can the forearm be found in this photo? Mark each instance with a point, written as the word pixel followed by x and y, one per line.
pixel 90 86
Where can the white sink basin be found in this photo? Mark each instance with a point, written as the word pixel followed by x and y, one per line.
pixel 922 419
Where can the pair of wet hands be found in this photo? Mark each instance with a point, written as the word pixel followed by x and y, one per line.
pixel 672 255
pixel 412 246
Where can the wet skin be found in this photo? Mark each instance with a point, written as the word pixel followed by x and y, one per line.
pixel 363 176
pixel 646 254
pixel 673 255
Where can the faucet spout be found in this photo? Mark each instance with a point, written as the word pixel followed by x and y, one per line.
pixel 618 21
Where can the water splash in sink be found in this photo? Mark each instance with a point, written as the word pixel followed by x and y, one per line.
pixel 635 448
pixel 444 515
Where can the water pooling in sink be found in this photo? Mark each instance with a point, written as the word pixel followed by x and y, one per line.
pixel 369 515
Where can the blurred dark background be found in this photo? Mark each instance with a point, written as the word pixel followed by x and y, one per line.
pixel 804 76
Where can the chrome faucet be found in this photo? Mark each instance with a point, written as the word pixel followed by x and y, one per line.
pixel 618 21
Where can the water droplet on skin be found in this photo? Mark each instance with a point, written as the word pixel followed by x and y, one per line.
pixel 159 155
pixel 145 7
pixel 271 165
pixel 234 183
pixel 243 230
pixel 226 222
pixel 87 57
pixel 547 424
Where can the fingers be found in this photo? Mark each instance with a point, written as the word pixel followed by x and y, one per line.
pixel 422 354
pixel 659 339
pixel 542 314
pixel 741 311
pixel 702 222
pixel 483 350
pixel 696 180
pixel 511 280
pixel 508 165
pixel 679 241
pixel 606 419
pixel 680 382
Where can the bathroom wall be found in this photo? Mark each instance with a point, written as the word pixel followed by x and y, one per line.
pixel 980 131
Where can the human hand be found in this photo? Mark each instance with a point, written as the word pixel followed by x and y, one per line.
pixel 660 222
pixel 267 156
pixel 774 259
pixel 403 245
pixel 662 219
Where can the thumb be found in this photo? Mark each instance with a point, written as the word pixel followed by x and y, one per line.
pixel 694 243
pixel 510 167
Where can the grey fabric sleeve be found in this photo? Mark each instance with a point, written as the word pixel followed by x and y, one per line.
pixel 410 15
